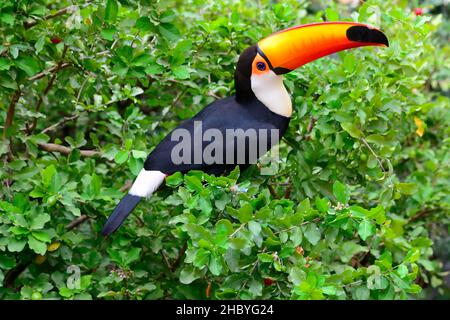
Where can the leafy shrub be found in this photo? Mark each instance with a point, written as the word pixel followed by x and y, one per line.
pixel 357 210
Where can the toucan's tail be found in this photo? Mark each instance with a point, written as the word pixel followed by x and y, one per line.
pixel 145 184
pixel 123 210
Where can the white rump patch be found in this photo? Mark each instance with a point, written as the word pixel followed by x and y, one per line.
pixel 146 183
pixel 269 89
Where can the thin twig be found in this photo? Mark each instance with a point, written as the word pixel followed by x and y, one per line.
pixel 63 121
pixel 32 23
pixel 82 88
pixel 166 261
pixel 9 120
pixel 422 213
pixel 11 111
pixel 126 186
pixel 31 128
pixel 53 147
pixel 180 256
pixel 236 231
pixel 272 191
pixel 48 71
pixel 75 223
pixel 375 155
pixel 287 193
pixel 255 264
pixel 309 129
pixel 315 220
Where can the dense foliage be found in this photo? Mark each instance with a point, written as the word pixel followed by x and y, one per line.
pixel 358 209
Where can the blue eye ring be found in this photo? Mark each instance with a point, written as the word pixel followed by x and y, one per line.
pixel 261 66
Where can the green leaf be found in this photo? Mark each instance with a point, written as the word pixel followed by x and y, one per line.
pixel 28 64
pixel 96 184
pixel 121 156
pixel 188 274
pixel 47 175
pixel 341 192
pixel 331 14
pixel 135 165
pixel 296 236
pixel 7 17
pixel 153 69
pixel 41 236
pixel 349 249
pixel 254 227
pixel 108 33
pixel 366 229
pixel 406 188
pixel 169 31
pixel 132 255
pixel 16 245
pixel 412 256
pixel 39 221
pixel 144 24
pixel 361 293
pixel 245 213
pixel 322 204
pixel 139 154
pixel 4 64
pixel 168 16
pixel 215 265
pixel 181 72
pixel 312 233
pixel 402 271
pixel 265 257
pixel 358 212
pixel 351 129
pixel 7 262
pixel 111 10
pixel 174 180
pixel 193 183
pixel 350 63
pixel 37 246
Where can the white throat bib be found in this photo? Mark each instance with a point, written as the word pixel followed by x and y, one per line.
pixel 269 89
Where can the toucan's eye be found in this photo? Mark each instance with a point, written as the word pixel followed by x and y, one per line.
pixel 261 66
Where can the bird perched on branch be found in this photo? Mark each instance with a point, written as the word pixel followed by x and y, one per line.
pixel 240 129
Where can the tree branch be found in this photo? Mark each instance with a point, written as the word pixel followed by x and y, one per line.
pixel 13 273
pixel 48 71
pixel 272 191
pixel 126 186
pixel 75 223
pixel 177 262
pixel 60 12
pixel 380 163
pixel 53 147
pixel 63 121
pixel 287 193
pixel 47 89
pixel 11 111
pixel 9 120
pixel 422 213
pixel 309 129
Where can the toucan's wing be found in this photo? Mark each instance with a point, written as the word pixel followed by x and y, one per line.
pixel 221 116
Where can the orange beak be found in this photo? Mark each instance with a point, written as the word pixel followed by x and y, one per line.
pixel 289 49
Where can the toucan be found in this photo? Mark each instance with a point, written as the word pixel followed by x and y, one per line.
pixel 261 105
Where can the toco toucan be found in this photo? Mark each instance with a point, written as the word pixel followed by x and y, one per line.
pixel 261 103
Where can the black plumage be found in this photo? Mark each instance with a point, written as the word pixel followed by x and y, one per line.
pixel 223 114
pixel 123 210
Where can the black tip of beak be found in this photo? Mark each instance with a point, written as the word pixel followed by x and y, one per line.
pixel 365 34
